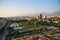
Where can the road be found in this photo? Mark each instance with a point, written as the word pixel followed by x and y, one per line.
pixel 2 23
pixel 4 32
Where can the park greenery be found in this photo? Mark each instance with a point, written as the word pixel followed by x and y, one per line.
pixel 35 24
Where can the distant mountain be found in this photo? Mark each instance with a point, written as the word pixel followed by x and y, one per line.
pixel 56 13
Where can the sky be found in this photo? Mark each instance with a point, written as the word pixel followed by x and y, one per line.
pixel 10 8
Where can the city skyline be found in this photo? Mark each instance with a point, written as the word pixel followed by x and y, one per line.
pixel 27 7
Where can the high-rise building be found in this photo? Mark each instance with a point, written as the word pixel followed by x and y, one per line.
pixel 40 17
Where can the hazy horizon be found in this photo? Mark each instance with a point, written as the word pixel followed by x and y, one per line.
pixel 10 8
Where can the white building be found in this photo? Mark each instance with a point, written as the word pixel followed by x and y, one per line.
pixel 16 26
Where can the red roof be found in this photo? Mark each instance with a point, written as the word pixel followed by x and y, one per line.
pixel 30 38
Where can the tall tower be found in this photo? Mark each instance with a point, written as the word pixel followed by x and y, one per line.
pixel 40 17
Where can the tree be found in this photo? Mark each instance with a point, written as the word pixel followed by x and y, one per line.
pixel 10 30
pixel 35 23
